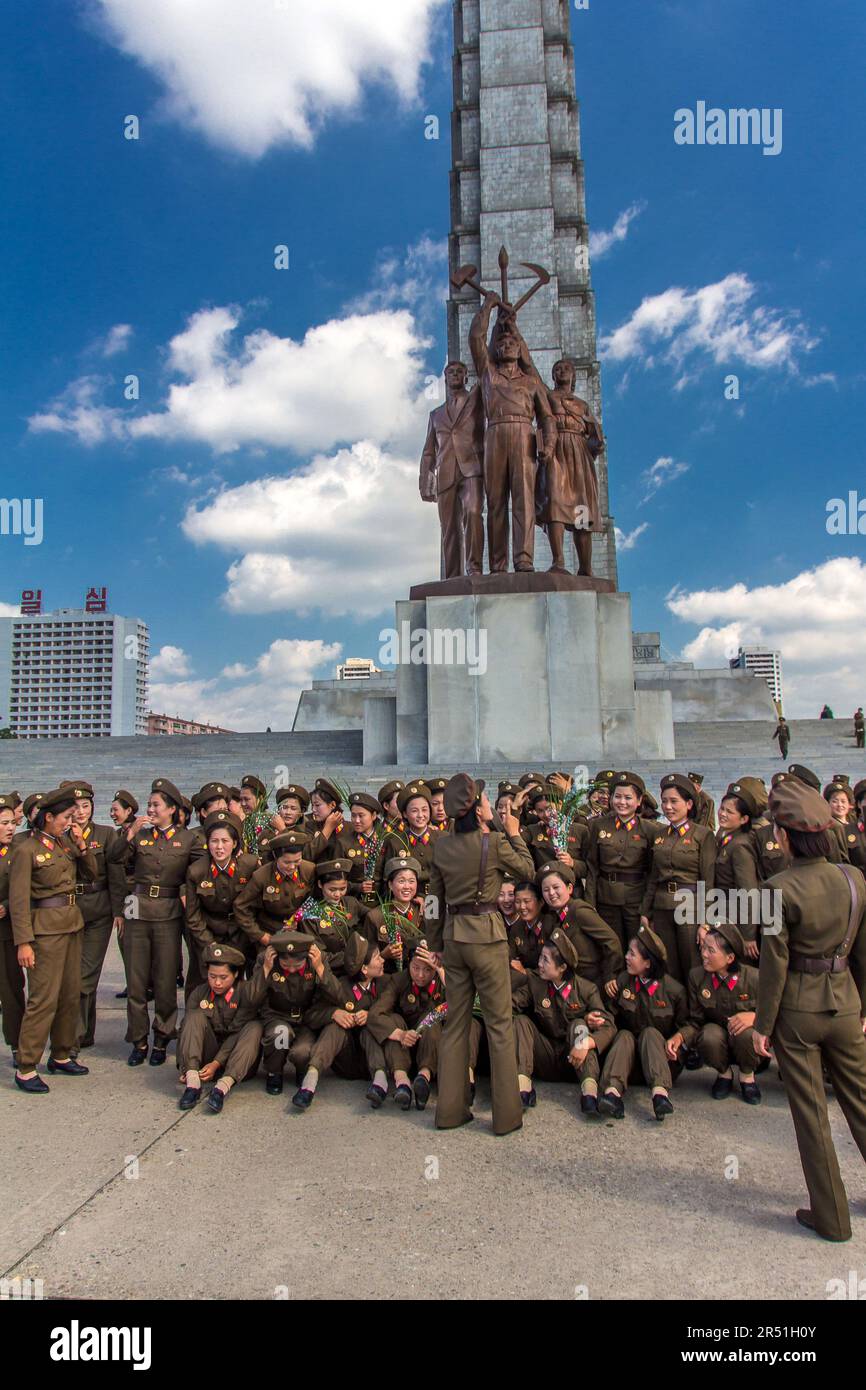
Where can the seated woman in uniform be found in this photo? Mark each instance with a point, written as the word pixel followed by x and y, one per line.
pixel 346 1043
pixel 649 1007
pixel 598 949
pixel 562 1026
pixel 220 1031
pixel 400 918
pixel 407 999
pixel 295 993
pixel 722 999
pixel 736 869
pixel 527 936
pixel 336 914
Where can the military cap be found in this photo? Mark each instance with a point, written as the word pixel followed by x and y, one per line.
pixel 253 784
pixel 564 946
pixel 218 953
pixel 414 789
pixel 385 793
pixel 507 789
pixel 629 779
pixel 211 791
pixel 357 953
pixel 737 789
pixel 733 936
pixel 82 791
pixel 697 778
pixel 234 794
pixel 508 876
pixel 366 800
pixel 32 802
pixel 796 806
pixel 186 805
pixel 327 790
pixel 299 793
pixel 859 788
pixel 652 944
pixel 292 943
pixel 435 784
pixel 168 790
pixel 757 789
pixel 289 842
pixel 841 777
pixel 778 777
pixel 126 799
pixel 331 868
pixel 404 861
pixel 538 793
pixel 677 782
pixel 15 798
pixel 605 777
pixel 529 777
pixel 223 820
pixel 6 802
pixel 650 801
pixel 805 774
pixel 842 788
pixel 60 799
pixel 554 867
pixel 461 794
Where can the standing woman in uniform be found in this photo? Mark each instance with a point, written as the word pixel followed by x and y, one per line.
pixel 684 856
pixel 736 868
pixel 158 857
pixel 812 997
pixel 465 880
pixel 11 975
pixel 47 926
pixel 123 810
pixel 619 856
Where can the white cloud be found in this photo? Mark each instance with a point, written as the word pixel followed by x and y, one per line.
pixel 627 540
pixel 720 320
pixel 662 472
pixel 10 610
pixel 79 412
pixel 601 242
pixel 253 74
pixel 170 661
pixel 267 697
pixel 348 533
pixel 415 279
pixel 815 620
pixel 116 339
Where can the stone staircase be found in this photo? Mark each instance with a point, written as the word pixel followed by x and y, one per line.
pixel 722 751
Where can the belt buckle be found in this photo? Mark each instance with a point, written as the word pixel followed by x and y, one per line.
pixel 71 897
pixel 153 890
pixel 80 887
pixel 673 886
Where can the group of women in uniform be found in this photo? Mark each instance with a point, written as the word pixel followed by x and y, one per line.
pixel 306 942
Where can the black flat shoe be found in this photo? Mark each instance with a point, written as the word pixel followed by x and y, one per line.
pixel 274 1083
pixel 763 1063
pixel 751 1092
pixel 529 1098
pixel 589 1106
pixel 722 1087
pixel 302 1100
pixel 70 1068
pixel 179 981
pixel 216 1100
pixel 34 1085
pixel 806 1218
pixel 692 1060
pixel 124 994
pixel 612 1105
pixel 471 1092
pixel 403 1097
pixel 157 1056
pixel 421 1089
pixel 375 1095
pixel 137 1056
pixel 190 1097
pixel 662 1107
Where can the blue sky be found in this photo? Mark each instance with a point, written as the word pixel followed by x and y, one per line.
pixel 155 257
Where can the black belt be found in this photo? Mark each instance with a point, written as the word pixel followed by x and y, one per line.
pixel 622 876
pixel 674 886
pixel 59 900
pixel 99 887
pixel 819 965
pixel 155 890
pixel 473 909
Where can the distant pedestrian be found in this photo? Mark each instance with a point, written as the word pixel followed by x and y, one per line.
pixel 859 727
pixel 827 713
pixel 783 734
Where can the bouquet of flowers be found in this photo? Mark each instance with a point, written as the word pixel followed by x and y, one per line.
pixel 256 822
pixel 391 918
pixel 374 842
pixel 436 1015
pixel 564 805
pixel 314 910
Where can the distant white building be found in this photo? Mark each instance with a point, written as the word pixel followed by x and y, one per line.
pixel 357 668
pixel 761 661
pixel 73 672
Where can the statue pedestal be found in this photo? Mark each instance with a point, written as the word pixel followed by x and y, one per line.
pixel 521 677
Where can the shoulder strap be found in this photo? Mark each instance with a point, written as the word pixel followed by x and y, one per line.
pixel 849 935
pixel 482 869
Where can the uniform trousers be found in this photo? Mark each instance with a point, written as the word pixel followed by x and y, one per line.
pixel 95 939
pixel 286 1042
pixel 638 1059
pixel 718 1048
pixel 151 962
pixel 680 939
pixel 804 1043
pixel 425 1052
pixel 546 1058
pixel 624 919
pixel 53 997
pixel 352 1052
pixel 12 999
pixel 481 968
pixel 198 1044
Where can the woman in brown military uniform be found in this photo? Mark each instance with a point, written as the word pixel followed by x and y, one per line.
pixel 723 997
pixel 212 887
pixel 408 998
pixel 598 949
pixel 158 857
pixel 12 1000
pixel 220 1031
pixel 47 927
pixel 295 993
pixel 619 858
pixel 275 891
pixel 346 1043
pixel 101 902
pixel 650 1006
pixel 683 856
pixel 418 835
pixel 736 868
pixel 400 919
